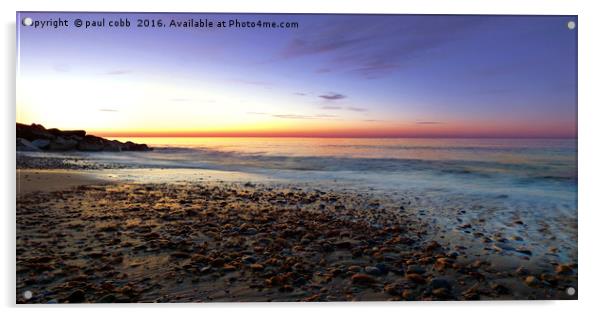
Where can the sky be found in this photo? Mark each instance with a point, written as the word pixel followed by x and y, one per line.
pixel 332 76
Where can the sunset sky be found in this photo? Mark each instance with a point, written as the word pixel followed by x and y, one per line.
pixel 333 76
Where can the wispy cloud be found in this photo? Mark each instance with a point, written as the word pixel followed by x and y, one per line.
pixel 356 109
pixel 294 116
pixel 429 122
pixel 108 110
pixel 374 120
pixel 331 107
pixel 304 117
pixel 379 46
pixel 332 96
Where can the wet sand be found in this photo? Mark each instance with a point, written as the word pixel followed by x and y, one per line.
pixel 80 241
pixel 40 180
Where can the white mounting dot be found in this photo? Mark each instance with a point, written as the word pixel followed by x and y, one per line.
pixel 570 291
pixel 571 25
pixel 27 295
pixel 27 21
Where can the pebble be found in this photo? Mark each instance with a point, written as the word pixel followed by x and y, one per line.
pixel 362 279
pixel 373 270
pixel 256 266
pixel 437 283
pixel 77 296
pixel 416 278
pixel 563 269
pixel 532 281
pixel 415 269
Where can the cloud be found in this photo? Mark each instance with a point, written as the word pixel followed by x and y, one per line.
pixel 374 120
pixel 332 96
pixel 356 109
pixel 294 116
pixel 331 107
pixel 304 117
pixel 429 122
pixel 300 93
pixel 108 110
pixel 118 72
pixel 325 116
pixel 380 45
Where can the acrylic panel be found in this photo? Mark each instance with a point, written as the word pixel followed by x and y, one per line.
pixel 215 157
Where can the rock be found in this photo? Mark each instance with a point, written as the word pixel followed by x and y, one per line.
pixel 78 296
pixel 522 271
pixel 25 145
pixel 135 147
pixel 91 143
pixel 67 134
pixel 415 269
pixel 442 263
pixel 180 255
pixel 62 144
pixel 250 231
pixel 109 298
pixel 563 269
pixel 248 259
pixel 416 278
pixel 57 140
pixel 229 268
pixel 433 246
pixel 437 283
pixel 33 131
pixel 299 281
pixel 112 145
pixel 441 293
pixel 41 143
pixel 384 269
pixel 524 251
pixel 362 279
pixel 393 289
pixel 501 247
pixel 500 289
pixel 407 294
pixel 373 270
pixel 532 281
pixel 256 267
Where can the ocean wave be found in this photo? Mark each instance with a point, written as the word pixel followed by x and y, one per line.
pixel 203 157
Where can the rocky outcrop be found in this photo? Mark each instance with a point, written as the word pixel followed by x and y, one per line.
pixel 35 137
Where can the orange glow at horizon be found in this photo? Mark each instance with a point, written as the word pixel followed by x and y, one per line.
pixel 363 130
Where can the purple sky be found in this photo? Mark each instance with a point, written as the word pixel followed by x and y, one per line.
pixel 411 75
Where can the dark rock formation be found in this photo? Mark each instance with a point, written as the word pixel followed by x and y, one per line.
pixel 35 137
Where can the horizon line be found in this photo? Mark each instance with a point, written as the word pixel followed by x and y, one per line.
pixel 134 135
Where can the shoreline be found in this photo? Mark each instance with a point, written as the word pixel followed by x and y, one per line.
pixel 215 240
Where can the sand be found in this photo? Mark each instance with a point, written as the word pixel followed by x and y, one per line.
pixel 40 180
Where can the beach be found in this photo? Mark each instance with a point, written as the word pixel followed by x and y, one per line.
pixel 97 229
